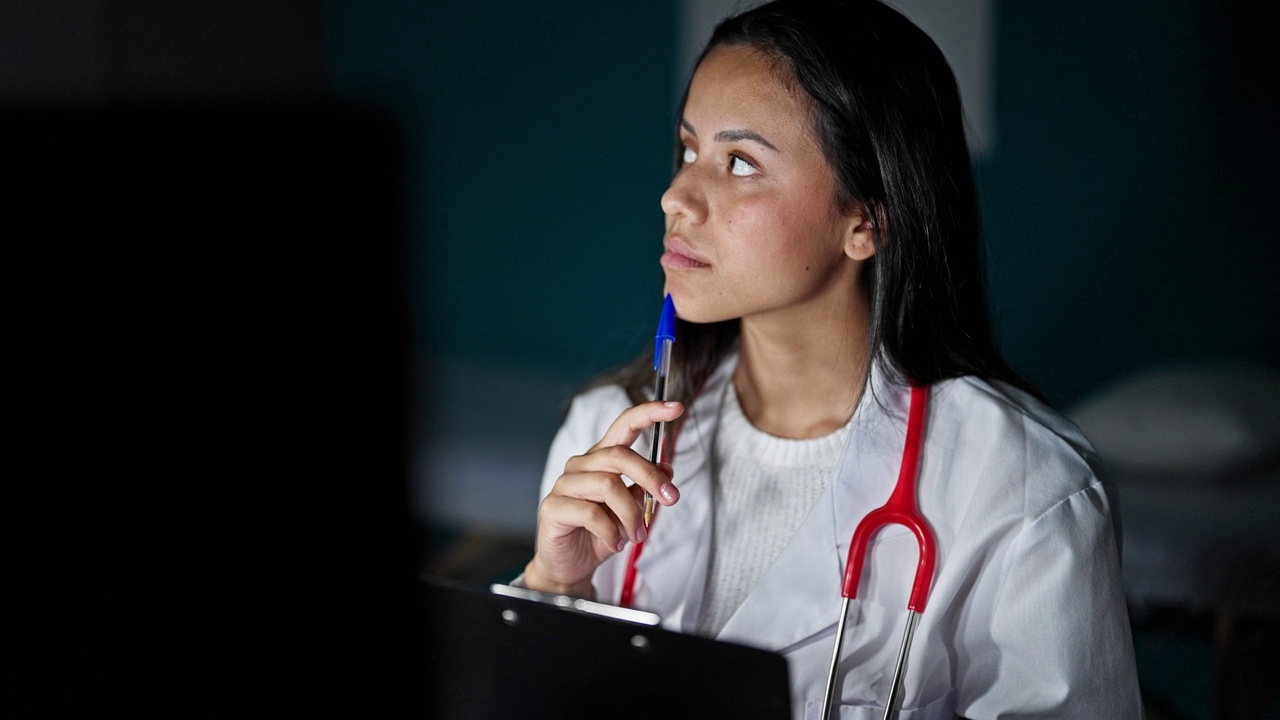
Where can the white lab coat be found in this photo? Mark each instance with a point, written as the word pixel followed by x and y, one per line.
pixel 1026 618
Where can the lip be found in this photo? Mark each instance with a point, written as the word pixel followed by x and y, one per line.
pixel 679 255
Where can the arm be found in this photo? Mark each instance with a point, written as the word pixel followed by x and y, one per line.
pixel 1059 643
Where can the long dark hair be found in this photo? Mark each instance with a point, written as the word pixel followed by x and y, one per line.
pixel 886 112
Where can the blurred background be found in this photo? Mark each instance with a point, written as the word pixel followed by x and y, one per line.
pixel 405 233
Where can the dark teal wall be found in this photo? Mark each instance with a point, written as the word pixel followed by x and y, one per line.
pixel 1128 200
pixel 539 138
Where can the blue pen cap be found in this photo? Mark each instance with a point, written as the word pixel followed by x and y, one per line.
pixel 666 328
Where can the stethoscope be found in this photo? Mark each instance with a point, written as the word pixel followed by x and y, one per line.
pixel 900 509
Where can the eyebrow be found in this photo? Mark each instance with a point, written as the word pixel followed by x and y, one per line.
pixel 733 135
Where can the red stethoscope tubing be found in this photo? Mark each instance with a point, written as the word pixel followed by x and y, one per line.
pixel 901 509
pixel 629 577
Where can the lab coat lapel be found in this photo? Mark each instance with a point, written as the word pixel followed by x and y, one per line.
pixel 800 595
pixel 871 467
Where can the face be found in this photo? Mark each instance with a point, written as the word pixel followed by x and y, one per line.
pixel 753 228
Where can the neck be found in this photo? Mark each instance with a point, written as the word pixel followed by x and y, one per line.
pixel 803 378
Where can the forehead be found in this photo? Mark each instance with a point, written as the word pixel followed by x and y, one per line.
pixel 743 87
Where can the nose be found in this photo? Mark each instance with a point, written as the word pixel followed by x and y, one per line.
pixel 684 198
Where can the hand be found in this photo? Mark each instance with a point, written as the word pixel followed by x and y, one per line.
pixel 591 513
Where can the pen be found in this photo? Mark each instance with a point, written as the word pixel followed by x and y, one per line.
pixel 662 366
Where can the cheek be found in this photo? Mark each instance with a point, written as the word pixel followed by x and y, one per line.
pixel 760 224
pixel 792 235
pixel 758 241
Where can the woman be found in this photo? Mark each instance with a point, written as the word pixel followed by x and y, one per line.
pixel 823 251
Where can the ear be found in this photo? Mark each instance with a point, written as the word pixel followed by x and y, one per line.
pixel 860 236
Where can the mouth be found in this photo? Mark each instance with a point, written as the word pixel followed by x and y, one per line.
pixel 679 256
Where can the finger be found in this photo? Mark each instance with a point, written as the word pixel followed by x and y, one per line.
pixel 622 460
pixel 562 514
pixel 667 493
pixel 636 420
pixel 609 490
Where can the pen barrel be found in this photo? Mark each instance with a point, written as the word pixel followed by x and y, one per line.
pixel 661 363
pixel 660 393
pixel 659 439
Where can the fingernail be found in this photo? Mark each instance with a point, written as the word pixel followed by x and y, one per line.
pixel 669 492
pixel 670 403
pixel 622 542
pixel 641 534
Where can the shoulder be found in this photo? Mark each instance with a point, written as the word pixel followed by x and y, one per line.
pixel 1002 413
pixel 1010 443
pixel 1028 530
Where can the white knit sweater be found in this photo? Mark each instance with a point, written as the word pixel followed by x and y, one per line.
pixel 764 487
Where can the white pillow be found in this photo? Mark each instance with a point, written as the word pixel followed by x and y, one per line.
pixel 1192 422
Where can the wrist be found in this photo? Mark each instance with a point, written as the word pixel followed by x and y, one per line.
pixel 536 579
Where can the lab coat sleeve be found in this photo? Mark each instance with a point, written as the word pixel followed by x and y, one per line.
pixel 1060 640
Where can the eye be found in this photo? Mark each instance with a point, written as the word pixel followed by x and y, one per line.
pixel 689 155
pixel 741 167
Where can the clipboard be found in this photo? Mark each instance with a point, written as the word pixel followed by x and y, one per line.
pixel 504 652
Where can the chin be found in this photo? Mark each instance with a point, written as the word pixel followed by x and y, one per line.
pixel 694 309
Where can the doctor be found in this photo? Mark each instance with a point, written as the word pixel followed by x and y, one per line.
pixel 823 250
